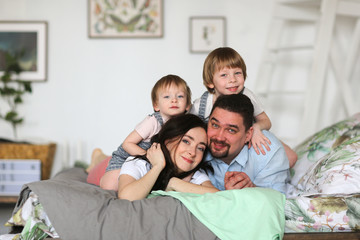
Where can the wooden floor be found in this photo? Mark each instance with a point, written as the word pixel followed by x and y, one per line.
pixel 322 236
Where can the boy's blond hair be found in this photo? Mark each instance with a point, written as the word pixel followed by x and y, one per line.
pixel 166 82
pixel 219 59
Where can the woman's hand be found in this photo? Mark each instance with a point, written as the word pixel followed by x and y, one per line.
pixel 155 156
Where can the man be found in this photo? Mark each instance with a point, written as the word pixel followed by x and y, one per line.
pixel 237 166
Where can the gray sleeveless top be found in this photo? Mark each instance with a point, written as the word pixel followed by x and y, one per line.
pixel 120 155
pixel 203 101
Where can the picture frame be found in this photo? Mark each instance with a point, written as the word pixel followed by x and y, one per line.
pixel 30 37
pixel 125 19
pixel 207 33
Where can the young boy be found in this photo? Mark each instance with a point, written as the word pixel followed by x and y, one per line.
pixel 224 73
pixel 170 97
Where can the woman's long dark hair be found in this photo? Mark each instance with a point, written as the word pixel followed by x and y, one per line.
pixel 174 130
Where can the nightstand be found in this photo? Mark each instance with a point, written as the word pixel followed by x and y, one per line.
pixel 44 152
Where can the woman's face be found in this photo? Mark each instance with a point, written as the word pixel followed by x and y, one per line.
pixel 188 153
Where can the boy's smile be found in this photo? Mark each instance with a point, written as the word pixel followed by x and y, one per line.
pixel 233 89
pixel 228 81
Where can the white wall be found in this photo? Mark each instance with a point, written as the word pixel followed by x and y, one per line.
pixel 98 89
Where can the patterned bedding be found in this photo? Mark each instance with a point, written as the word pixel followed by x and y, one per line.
pixel 322 196
pixel 323 214
pixel 33 217
pixel 324 192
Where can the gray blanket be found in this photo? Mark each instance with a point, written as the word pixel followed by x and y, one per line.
pixel 79 210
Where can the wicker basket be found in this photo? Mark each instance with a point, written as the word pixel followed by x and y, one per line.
pixel 44 152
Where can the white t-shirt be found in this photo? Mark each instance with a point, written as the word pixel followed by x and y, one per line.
pixel 258 107
pixel 137 168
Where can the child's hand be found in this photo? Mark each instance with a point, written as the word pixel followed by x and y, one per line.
pixel 155 155
pixel 259 140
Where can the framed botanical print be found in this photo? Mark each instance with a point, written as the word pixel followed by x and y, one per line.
pixel 30 39
pixel 207 33
pixel 125 18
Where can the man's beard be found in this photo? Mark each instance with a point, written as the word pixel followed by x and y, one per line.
pixel 223 153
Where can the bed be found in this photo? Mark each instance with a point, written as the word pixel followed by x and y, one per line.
pixel 322 202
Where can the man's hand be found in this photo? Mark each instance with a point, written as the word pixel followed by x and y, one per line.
pixel 237 180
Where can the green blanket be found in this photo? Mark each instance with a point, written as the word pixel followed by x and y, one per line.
pixel 250 213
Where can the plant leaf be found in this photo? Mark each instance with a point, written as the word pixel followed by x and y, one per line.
pixel 6 77
pixel 27 87
pixel 10 116
pixel 17 121
pixel 18 99
pixel 8 91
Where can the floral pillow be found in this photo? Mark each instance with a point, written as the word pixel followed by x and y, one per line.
pixel 337 172
pixel 324 145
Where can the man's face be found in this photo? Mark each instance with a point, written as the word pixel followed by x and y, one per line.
pixel 226 134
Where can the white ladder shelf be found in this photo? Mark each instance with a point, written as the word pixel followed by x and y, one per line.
pixel 321 15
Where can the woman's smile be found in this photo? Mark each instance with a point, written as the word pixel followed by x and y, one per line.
pixel 188 160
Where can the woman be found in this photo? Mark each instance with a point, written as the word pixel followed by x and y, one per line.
pixel 174 162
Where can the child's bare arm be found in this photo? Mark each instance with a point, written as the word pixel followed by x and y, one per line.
pixel 131 142
pixel 258 140
pixel 262 121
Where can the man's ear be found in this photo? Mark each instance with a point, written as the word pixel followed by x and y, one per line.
pixel 249 134
pixel 188 107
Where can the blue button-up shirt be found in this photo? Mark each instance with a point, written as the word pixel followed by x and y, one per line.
pixel 268 171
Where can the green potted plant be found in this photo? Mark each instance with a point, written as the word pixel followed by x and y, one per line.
pixel 12 89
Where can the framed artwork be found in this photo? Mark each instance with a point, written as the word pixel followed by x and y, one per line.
pixel 207 33
pixel 30 38
pixel 125 19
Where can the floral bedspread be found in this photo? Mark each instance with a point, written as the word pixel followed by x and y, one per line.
pixel 323 214
pixel 32 216
pixel 324 194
